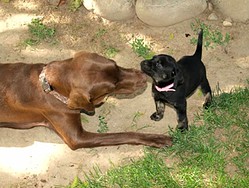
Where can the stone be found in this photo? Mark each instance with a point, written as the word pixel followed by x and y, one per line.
pixel 227 24
pixel 238 10
pixel 111 10
pixel 213 17
pixel 168 12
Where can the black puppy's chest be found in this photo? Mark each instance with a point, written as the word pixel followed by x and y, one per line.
pixel 169 97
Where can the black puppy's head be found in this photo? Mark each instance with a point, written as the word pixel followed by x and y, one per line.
pixel 163 69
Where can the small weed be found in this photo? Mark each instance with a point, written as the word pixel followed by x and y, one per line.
pixel 100 33
pixel 141 49
pixel 39 32
pixel 212 37
pixel 74 5
pixel 102 126
pixel 135 118
pixel 111 52
pixel 76 183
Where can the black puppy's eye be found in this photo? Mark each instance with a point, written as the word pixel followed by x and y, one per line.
pixel 173 73
pixel 158 64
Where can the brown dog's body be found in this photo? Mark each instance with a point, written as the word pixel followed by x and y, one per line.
pixel 53 95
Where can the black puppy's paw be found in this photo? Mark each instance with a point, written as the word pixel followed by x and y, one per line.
pixel 208 100
pixel 206 105
pixel 182 125
pixel 156 117
pixel 182 129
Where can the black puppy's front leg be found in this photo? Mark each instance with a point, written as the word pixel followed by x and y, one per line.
pixel 160 108
pixel 181 110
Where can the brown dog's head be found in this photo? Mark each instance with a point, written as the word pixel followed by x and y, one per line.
pixel 164 71
pixel 88 78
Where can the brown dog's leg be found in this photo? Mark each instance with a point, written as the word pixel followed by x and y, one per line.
pixel 71 131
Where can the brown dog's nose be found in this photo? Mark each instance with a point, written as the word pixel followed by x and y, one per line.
pixel 142 82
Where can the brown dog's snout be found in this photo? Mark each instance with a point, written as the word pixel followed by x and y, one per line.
pixel 142 79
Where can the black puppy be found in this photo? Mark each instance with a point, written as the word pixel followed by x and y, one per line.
pixel 174 81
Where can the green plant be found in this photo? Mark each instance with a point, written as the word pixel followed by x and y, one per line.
pixel 141 49
pixel 111 52
pixel 102 126
pixel 39 32
pixel 212 37
pixel 135 119
pixel 136 116
pixel 74 5
pixel 100 33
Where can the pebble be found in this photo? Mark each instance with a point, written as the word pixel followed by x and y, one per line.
pixel 213 17
pixel 227 24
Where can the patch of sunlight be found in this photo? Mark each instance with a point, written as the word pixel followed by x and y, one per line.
pixel 16 21
pixel 243 62
pixel 1 11
pixel 33 159
pixel 42 52
pixel 26 5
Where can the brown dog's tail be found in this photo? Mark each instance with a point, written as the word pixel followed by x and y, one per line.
pixel 198 51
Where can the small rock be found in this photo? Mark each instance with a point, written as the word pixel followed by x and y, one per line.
pixel 227 24
pixel 163 13
pixel 210 6
pixel 112 10
pixel 213 17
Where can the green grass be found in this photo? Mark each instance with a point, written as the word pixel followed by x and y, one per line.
pixel 141 49
pixel 110 51
pixel 74 5
pixel 212 37
pixel 39 32
pixel 213 153
pixel 102 126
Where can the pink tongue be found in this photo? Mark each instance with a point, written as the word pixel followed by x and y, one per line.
pixel 166 88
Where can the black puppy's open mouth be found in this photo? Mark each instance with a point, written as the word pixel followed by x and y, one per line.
pixel 165 86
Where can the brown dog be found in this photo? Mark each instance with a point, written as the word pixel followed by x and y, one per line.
pixel 53 95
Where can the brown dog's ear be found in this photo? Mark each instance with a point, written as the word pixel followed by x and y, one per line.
pixel 79 100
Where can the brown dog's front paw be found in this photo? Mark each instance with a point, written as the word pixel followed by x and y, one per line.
pixel 169 141
pixel 161 141
pixel 156 117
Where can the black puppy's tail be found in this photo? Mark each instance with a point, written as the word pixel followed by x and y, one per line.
pixel 198 51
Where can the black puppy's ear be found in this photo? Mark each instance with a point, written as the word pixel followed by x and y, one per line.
pixel 179 79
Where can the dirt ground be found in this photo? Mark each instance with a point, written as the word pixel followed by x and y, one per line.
pixel 38 157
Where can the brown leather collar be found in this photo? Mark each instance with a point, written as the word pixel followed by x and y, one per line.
pixel 47 88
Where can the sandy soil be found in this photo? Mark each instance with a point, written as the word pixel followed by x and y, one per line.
pixel 38 157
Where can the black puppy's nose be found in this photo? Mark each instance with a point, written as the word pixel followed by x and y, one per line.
pixel 143 62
